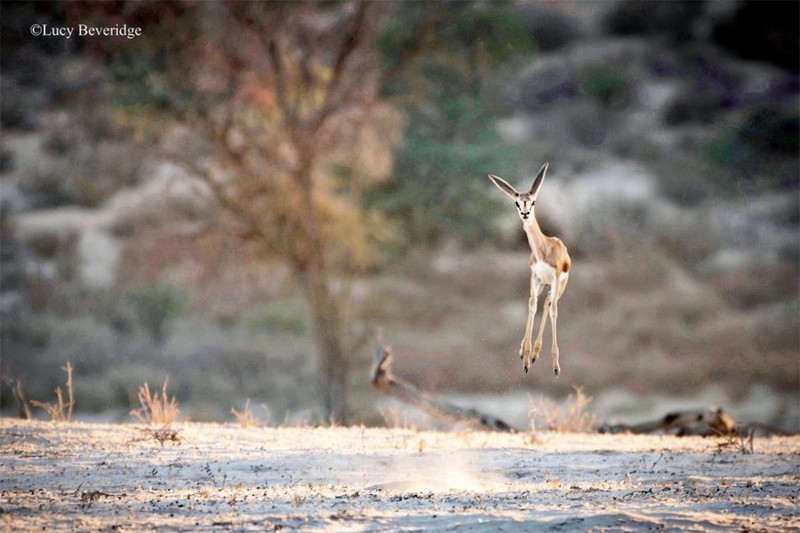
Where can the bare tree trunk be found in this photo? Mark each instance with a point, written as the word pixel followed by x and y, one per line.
pixel 327 333
pixel 325 310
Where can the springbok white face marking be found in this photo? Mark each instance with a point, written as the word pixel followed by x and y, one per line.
pixel 524 204
pixel 549 263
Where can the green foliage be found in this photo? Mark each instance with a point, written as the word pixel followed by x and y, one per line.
pixel 155 306
pixel 134 73
pixel 607 83
pixel 770 130
pixel 759 153
pixel 283 316
pixel 144 70
pixel 440 189
pixel 451 142
pixel 462 36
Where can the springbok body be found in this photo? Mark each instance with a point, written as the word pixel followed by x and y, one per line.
pixel 549 263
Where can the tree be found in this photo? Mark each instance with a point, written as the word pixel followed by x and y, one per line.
pixel 285 131
pixel 292 138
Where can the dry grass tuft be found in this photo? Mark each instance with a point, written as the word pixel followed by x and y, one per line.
pixel 245 417
pixel 60 411
pixel 157 409
pixel 567 417
pixel 737 442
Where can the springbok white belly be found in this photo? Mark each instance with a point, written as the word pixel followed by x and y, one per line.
pixel 543 272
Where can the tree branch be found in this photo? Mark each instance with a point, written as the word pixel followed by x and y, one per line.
pixel 275 59
pixel 422 35
pixel 354 35
pixel 352 38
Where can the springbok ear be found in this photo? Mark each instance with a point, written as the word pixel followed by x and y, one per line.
pixel 504 186
pixel 537 183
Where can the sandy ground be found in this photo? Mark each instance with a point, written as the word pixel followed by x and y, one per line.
pixel 105 477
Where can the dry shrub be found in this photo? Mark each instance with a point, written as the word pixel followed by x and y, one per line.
pixel 60 411
pixel 157 409
pixel 567 417
pixel 245 417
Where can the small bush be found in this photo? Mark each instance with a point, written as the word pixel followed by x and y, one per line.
pixel 245 418
pixel 282 316
pixel 156 306
pixel 760 153
pixel 608 84
pixel 569 416
pixel 156 409
pixel 771 131
pixel 60 411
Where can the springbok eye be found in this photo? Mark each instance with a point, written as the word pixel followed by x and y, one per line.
pixel 517 204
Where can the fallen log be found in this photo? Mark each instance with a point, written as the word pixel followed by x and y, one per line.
pixel 713 422
pixel 384 381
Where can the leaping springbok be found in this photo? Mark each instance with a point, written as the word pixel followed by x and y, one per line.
pixel 549 263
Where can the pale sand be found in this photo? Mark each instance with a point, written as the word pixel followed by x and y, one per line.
pixel 104 477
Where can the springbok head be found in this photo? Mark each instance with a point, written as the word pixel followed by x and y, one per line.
pixel 526 200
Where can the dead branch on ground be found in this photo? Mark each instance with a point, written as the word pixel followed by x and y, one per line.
pixel 712 422
pixel 383 380
pixel 23 406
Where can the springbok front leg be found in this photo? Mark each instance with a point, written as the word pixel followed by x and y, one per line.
pixel 533 302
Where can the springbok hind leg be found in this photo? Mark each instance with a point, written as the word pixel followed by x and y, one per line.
pixel 555 294
pixel 537 346
pixel 554 349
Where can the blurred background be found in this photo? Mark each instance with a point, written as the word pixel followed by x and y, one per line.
pixel 240 196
